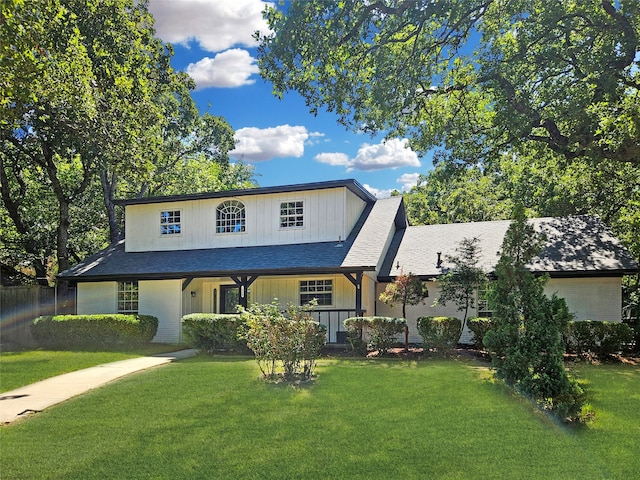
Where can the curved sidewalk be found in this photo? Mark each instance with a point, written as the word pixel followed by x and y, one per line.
pixel 23 401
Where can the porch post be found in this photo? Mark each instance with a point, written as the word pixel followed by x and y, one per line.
pixel 357 282
pixel 243 283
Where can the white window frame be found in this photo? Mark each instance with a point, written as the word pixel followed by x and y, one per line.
pixel 482 302
pixel 307 289
pixel 291 218
pixel 230 223
pixel 169 220
pixel 128 297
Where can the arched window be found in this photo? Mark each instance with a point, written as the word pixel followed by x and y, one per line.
pixel 230 217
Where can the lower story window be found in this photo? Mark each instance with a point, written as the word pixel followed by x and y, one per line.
pixel 128 297
pixel 484 306
pixel 320 290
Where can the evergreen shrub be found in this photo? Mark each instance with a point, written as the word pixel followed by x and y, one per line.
pixel 66 331
pixel 439 333
pixel 479 326
pixel 585 337
pixel 211 332
pixel 381 333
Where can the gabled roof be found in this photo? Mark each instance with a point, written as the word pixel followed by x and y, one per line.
pixel 575 246
pixel 350 184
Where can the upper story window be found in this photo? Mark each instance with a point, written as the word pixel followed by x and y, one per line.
pixel 230 217
pixel 170 222
pixel 128 297
pixel 291 214
pixel 320 290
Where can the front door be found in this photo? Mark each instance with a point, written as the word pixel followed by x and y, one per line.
pixel 229 298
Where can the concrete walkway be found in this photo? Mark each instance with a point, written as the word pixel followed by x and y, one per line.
pixel 22 402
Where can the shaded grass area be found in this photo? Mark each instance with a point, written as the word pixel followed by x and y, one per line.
pixel 20 368
pixel 214 418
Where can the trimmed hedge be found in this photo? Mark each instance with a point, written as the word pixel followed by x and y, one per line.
pixel 479 326
pixel 381 332
pixel 440 333
pixel 64 331
pixel 213 332
pixel 596 337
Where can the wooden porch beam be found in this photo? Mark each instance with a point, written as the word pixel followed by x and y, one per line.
pixel 357 282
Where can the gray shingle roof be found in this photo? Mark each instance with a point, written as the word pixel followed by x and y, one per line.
pixel 115 262
pixel 579 245
pixel 361 251
pixel 376 233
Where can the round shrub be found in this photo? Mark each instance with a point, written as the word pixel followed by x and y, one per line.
pixel 439 333
pixel 479 326
pixel 355 327
pixel 212 332
pixel 379 332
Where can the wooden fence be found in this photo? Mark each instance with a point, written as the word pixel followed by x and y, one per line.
pixel 18 307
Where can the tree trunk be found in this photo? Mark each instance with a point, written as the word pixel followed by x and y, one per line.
pixel 108 190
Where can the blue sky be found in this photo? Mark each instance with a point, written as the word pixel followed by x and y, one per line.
pixel 286 144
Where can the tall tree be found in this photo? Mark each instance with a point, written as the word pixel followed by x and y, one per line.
pixel 472 77
pixel 91 104
pixel 526 340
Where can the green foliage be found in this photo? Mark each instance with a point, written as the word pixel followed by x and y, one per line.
pixel 440 333
pixel 213 332
pixel 479 326
pixel 473 78
pixel 526 341
pixel 461 282
pixel 290 339
pixel 355 327
pixel 91 110
pixel 597 338
pixel 65 331
pixel 374 333
pixel 407 289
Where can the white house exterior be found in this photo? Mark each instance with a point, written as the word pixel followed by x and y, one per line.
pixel 327 240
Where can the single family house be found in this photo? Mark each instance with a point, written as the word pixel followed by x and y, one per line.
pixel 329 241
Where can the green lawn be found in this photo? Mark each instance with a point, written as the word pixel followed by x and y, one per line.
pixel 21 368
pixel 213 418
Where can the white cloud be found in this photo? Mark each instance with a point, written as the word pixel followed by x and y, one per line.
pixel 334 159
pixel 390 154
pixel 227 69
pixel 378 193
pixel 215 24
pixel 408 180
pixel 258 144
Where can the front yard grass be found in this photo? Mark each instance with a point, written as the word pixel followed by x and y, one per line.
pixel 212 417
pixel 20 368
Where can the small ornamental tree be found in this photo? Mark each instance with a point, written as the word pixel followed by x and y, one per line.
pixel 525 341
pixel 460 283
pixel 406 290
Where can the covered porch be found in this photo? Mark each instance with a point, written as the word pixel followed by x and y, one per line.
pixel 339 295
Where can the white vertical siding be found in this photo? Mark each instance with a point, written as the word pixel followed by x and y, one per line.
pixel 163 299
pixel 590 298
pixel 98 297
pixel 587 299
pixel 328 215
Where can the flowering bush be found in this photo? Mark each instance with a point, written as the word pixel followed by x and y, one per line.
pixel 288 338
